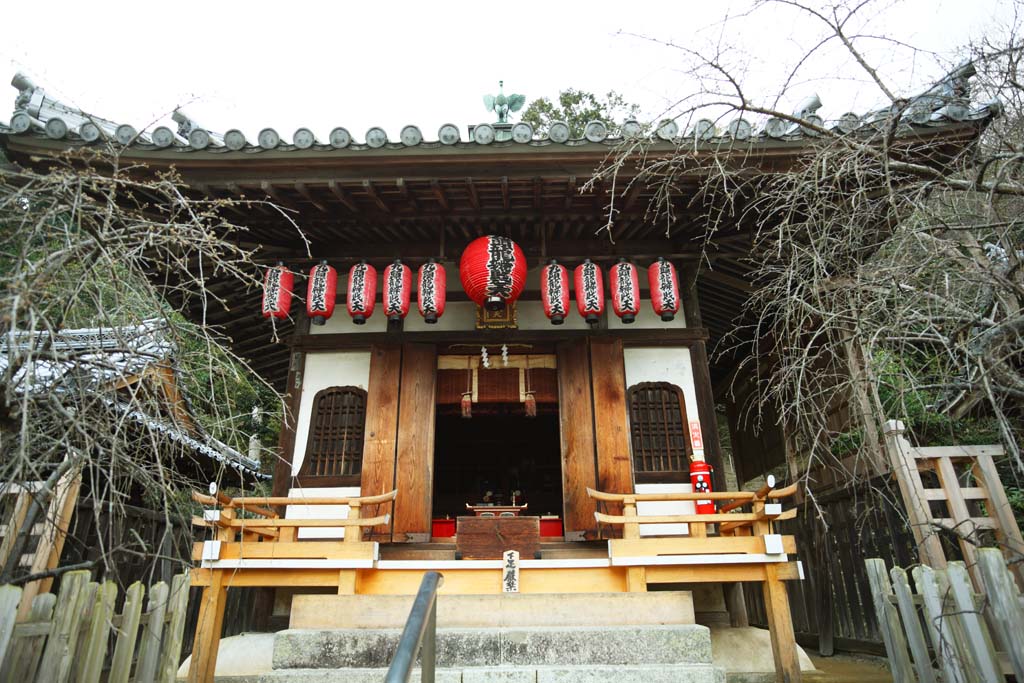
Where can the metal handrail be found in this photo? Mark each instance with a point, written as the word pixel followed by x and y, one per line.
pixel 420 629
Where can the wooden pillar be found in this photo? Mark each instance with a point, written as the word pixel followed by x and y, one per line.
pixel 414 471
pixel 381 431
pixel 611 437
pixel 702 380
pixel 208 630
pixel 780 625
pixel 576 417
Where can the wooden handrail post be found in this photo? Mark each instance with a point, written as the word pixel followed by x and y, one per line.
pixel 901 459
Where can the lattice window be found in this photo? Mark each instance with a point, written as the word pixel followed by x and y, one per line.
pixel 657 423
pixel 334 449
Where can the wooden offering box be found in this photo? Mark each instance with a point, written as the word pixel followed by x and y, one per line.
pixel 486 538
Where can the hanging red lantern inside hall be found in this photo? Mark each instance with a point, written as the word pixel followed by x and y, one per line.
pixel 397 290
pixel 493 271
pixel 430 291
pixel 321 293
pixel 554 292
pixel 277 292
pixel 589 291
pixel 362 292
pixel 625 284
pixel 664 283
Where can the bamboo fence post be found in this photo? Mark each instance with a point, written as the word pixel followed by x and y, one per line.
pixel 149 648
pixel 985 662
pixel 912 626
pixel 177 605
pixel 889 622
pixel 10 596
pixel 95 645
pixel 58 657
pixel 939 627
pixel 128 634
pixel 1004 602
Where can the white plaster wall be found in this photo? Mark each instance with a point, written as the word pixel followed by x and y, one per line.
pixel 323 370
pixel 664 364
pixel 665 507
pixel 321 511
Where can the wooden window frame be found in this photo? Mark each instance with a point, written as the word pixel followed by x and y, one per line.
pixel 304 477
pixel 661 476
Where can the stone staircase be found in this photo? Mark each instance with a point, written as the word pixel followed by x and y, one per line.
pixel 563 638
pixel 644 654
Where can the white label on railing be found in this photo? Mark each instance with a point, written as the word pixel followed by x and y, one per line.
pixel 773 509
pixel 211 551
pixel 773 544
pixel 510 571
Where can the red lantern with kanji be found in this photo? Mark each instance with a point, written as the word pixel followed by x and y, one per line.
pixel 277 292
pixel 589 291
pixel 430 291
pixel 493 271
pixel 625 284
pixel 700 479
pixel 554 292
pixel 362 292
pixel 321 292
pixel 664 289
pixel 397 290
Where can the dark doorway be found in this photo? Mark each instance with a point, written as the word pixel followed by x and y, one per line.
pixel 499 450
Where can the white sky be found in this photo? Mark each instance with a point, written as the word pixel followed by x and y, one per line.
pixel 255 64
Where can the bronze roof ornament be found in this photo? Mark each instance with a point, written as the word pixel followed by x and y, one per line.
pixel 502 105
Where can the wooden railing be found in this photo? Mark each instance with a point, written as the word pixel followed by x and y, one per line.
pixel 251 538
pixel 270 526
pixel 727 546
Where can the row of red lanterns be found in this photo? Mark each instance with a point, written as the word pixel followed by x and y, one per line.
pixel 322 290
pixel 493 272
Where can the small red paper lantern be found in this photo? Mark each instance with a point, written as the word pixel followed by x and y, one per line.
pixel 362 292
pixel 277 292
pixel 625 284
pixel 397 290
pixel 664 289
pixel 321 293
pixel 554 292
pixel 430 291
pixel 493 271
pixel 589 291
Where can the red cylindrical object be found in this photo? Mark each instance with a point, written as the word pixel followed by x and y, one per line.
pixel 430 291
pixel 277 292
pixel 554 292
pixel 397 291
pixel 700 478
pixel 362 292
pixel 625 285
pixel 589 291
pixel 664 283
pixel 321 293
pixel 493 271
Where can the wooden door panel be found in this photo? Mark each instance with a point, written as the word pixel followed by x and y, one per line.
pixel 575 410
pixel 414 476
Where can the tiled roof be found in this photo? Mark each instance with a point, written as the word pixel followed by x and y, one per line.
pixel 40 114
pixel 99 356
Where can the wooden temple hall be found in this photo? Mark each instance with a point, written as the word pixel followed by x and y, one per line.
pixel 473 368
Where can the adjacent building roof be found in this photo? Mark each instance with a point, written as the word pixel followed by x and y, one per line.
pixel 100 356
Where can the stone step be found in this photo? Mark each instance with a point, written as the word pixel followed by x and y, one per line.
pixel 501 610
pixel 566 647
pixel 676 673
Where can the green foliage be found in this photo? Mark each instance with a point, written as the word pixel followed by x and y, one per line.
pixel 578 108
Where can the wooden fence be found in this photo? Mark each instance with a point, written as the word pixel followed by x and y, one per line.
pixel 75 635
pixel 946 631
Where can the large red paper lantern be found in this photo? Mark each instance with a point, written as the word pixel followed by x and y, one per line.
pixel 554 292
pixel 397 290
pixel 664 282
pixel 625 284
pixel 430 291
pixel 321 293
pixel 493 271
pixel 362 292
pixel 589 291
pixel 277 292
